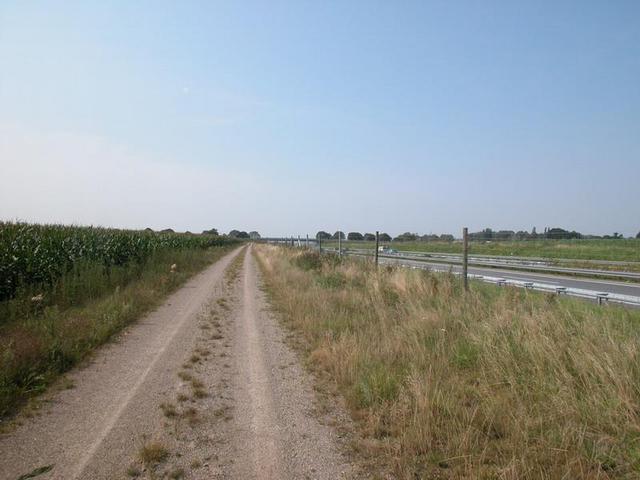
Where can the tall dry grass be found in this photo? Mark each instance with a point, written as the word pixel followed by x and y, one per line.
pixel 493 383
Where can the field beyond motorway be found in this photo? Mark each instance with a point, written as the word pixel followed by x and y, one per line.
pixel 622 250
pixel 493 383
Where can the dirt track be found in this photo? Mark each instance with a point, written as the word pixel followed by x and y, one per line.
pixel 207 376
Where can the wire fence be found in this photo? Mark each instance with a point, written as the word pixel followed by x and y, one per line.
pixel 445 262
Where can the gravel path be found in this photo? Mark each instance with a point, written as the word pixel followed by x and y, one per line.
pixel 204 387
pixel 276 433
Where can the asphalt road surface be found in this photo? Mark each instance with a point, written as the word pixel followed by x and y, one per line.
pixel 598 285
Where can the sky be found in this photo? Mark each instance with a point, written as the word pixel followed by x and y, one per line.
pixel 293 117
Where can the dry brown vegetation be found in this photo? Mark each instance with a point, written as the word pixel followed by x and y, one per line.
pixel 153 453
pixel 494 383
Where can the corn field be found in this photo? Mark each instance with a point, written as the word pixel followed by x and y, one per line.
pixel 37 255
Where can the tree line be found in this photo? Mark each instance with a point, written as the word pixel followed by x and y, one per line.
pixel 486 234
pixel 352 236
pixel 554 233
pixel 239 234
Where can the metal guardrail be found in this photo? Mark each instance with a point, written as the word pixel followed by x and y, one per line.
pixel 507 258
pixel 599 297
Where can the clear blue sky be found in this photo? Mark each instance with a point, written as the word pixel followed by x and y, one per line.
pixel 290 117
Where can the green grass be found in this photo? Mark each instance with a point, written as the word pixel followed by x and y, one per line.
pixel 39 342
pixel 626 250
pixel 494 383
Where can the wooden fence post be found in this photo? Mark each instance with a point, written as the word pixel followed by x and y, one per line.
pixel 465 256
pixel 377 246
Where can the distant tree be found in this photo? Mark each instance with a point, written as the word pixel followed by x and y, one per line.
pixel 485 235
pixel 148 230
pixel 238 234
pixel 406 237
pixel 369 237
pixel 384 237
pixel 447 237
pixel 167 230
pixel 429 238
pixel 322 235
pixel 355 236
pixel 638 235
pixel 615 236
pixel 560 233
pixel 504 235
pixel 534 234
pixel 213 231
pixel 254 235
pixel 338 233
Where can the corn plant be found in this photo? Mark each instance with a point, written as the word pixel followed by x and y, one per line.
pixel 37 255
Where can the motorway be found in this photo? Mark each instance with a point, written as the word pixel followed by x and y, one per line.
pixel 515 263
pixel 570 282
pixel 609 286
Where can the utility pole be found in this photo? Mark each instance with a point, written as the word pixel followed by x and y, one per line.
pixel 465 256
pixel 339 243
pixel 377 245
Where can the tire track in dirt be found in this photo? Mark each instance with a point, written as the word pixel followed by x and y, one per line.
pixel 276 432
pixel 258 419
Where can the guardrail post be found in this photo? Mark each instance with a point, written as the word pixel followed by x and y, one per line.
pixel 465 256
pixel 377 246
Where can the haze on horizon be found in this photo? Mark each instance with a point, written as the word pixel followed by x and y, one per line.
pixel 291 117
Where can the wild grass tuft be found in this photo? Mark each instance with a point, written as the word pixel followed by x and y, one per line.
pixel 176 474
pixel 153 453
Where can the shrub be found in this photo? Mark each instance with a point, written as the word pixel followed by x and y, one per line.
pixel 308 260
